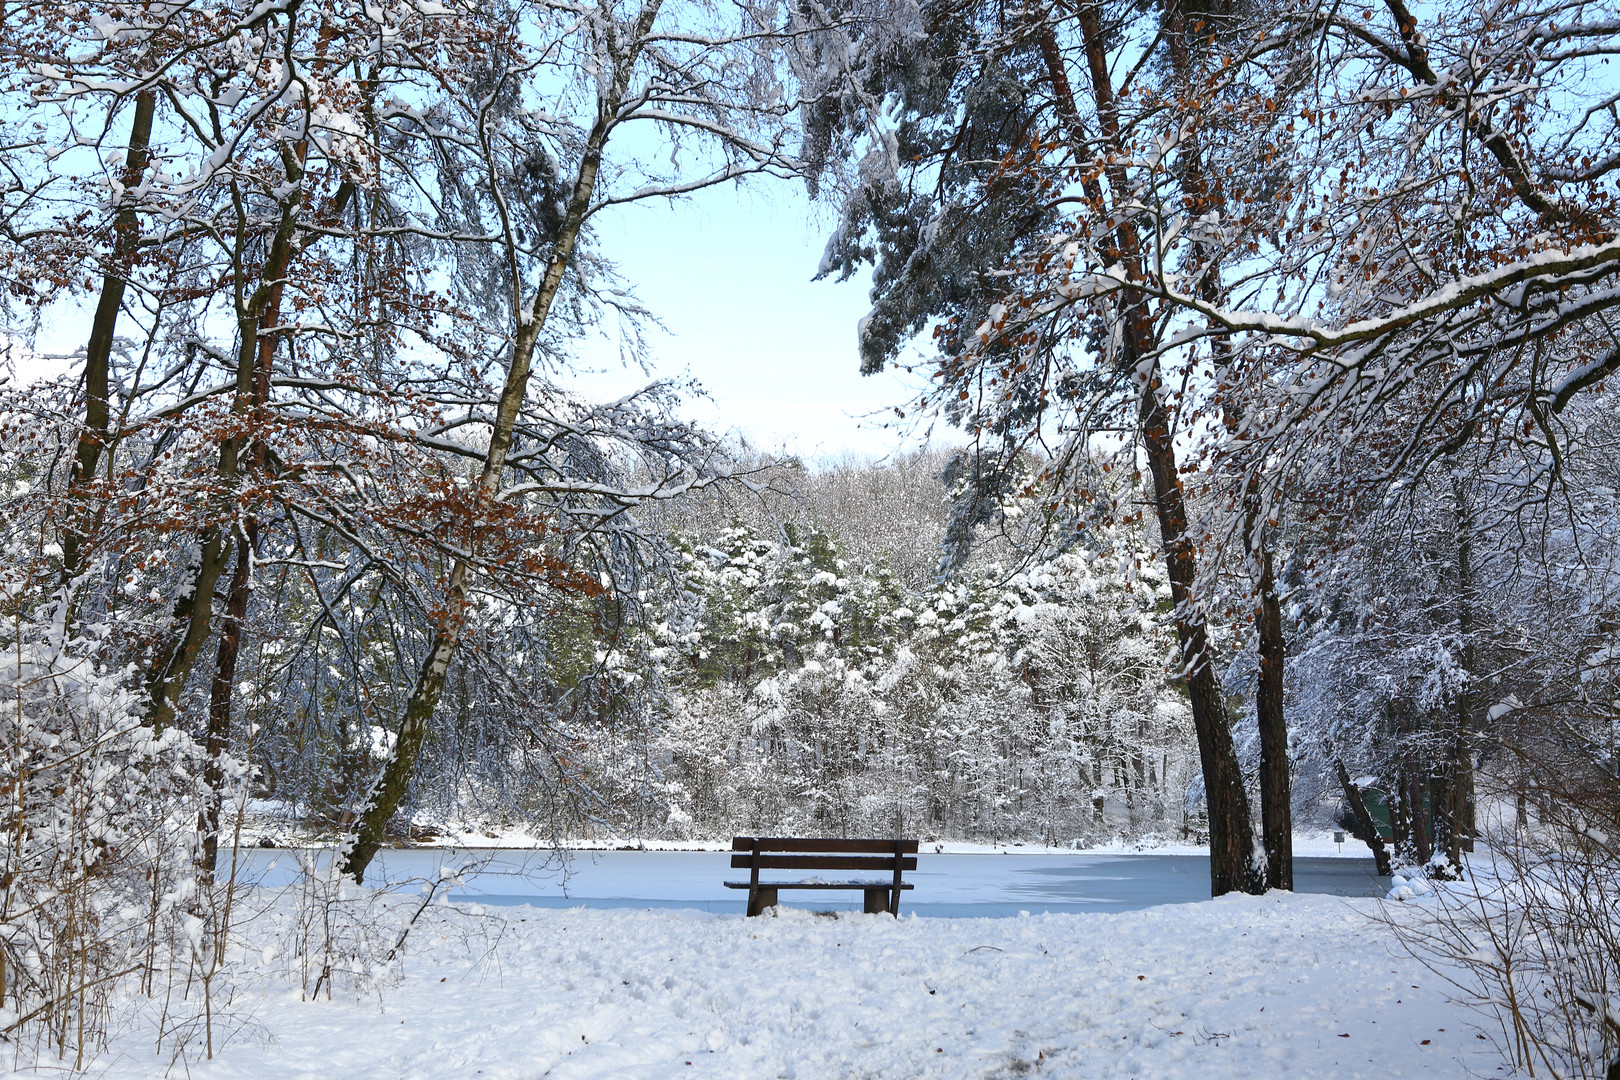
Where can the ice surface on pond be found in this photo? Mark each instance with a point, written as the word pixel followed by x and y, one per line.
pixel 947 885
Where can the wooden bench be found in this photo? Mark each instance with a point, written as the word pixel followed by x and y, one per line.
pixel 756 853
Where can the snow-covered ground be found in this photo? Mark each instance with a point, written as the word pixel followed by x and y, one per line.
pixel 1281 985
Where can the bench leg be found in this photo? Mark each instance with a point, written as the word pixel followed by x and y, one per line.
pixel 877 901
pixel 761 898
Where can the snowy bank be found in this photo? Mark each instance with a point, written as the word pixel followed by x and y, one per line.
pixel 269 822
pixel 1280 985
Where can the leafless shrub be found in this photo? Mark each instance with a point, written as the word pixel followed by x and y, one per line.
pixel 1532 940
pixel 99 891
pixel 326 935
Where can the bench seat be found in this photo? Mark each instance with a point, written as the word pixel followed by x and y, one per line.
pixel 819 885
pixel 783 853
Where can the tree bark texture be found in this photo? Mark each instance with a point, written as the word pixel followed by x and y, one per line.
pixel 1420 838
pixel 103 324
pixel 219 695
pixel 1231 833
pixel 1276 786
pixel 1191 33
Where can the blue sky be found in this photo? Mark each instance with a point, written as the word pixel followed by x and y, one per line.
pixel 728 272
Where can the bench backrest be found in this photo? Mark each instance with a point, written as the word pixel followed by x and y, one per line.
pixel 788 853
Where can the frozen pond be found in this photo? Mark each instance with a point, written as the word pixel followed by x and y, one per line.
pixel 948 885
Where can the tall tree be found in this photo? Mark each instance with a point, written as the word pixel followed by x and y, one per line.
pixel 1014 171
pixel 723 90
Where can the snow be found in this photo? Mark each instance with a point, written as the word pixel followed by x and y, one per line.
pixel 273 821
pixel 1307 844
pixel 1276 985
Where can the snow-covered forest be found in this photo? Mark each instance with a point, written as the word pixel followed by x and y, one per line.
pixel 1268 354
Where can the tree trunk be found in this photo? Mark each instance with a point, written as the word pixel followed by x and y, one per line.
pixel 1231 832
pixel 219 695
pixel 1366 829
pixel 194 612
pixel 1400 821
pixel 1460 807
pixel 1276 788
pixel 1232 864
pixel 98 352
pixel 268 296
pixel 1417 817
pixel 1446 840
pixel 222 689
pixel 388 791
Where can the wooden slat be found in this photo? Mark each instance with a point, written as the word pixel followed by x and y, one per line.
pixel 816 885
pixel 782 843
pixel 821 862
